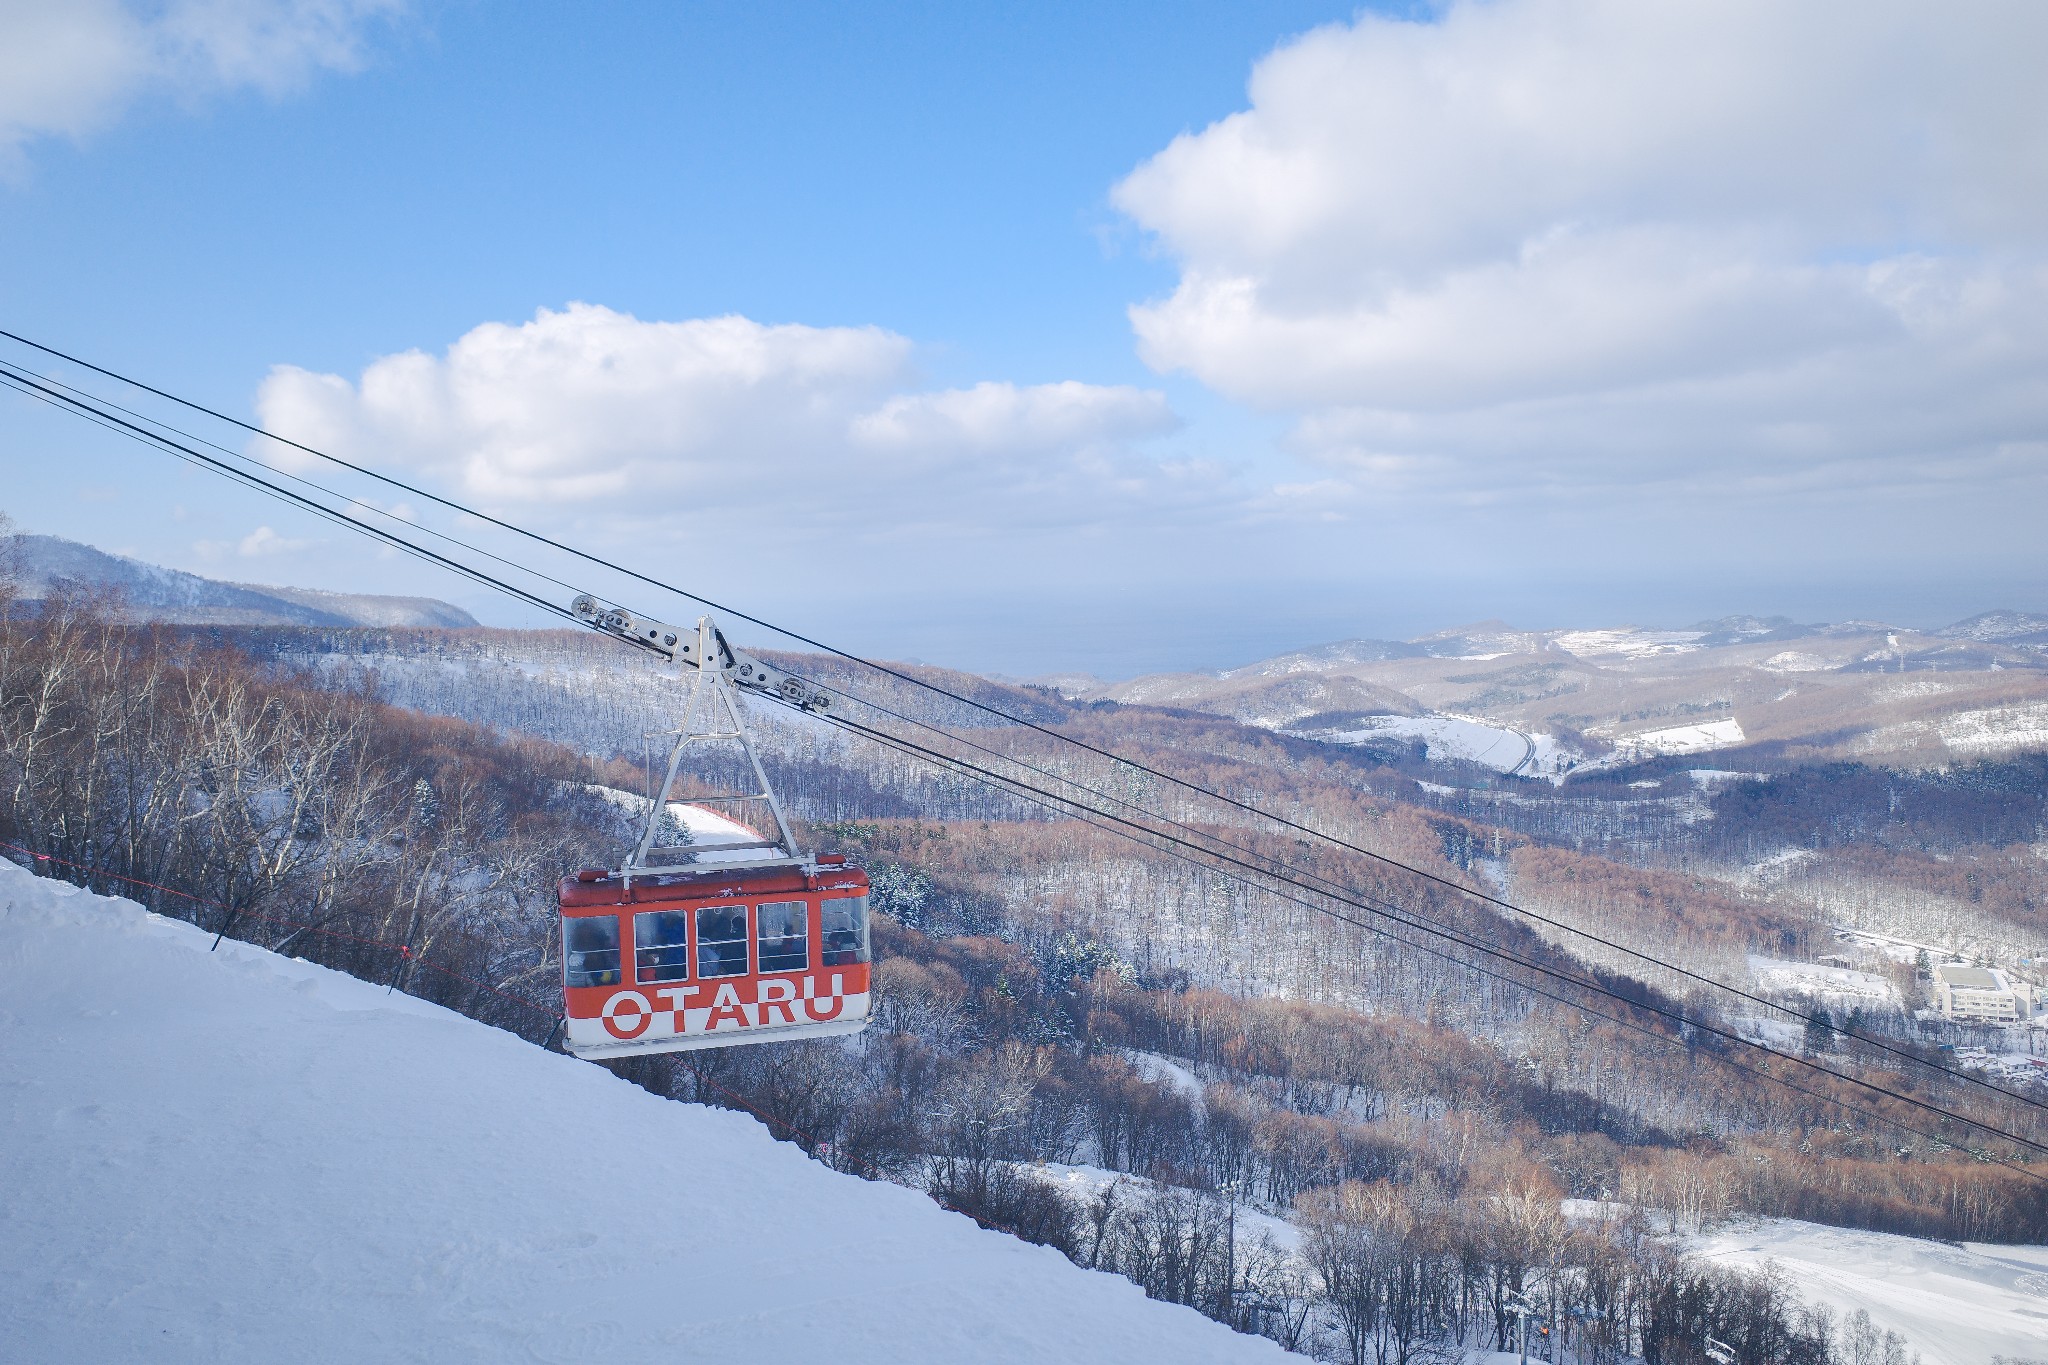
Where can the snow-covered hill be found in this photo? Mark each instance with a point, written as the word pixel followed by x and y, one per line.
pixel 152 593
pixel 236 1157
pixel 1856 689
pixel 1954 1303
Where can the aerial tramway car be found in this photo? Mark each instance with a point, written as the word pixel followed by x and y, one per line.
pixel 723 933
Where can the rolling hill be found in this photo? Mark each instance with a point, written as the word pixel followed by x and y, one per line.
pixel 151 593
pixel 1787 692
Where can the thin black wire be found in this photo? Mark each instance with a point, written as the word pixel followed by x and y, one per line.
pixel 68 403
pixel 65 402
pixel 84 399
pixel 1136 834
pixel 1025 722
pixel 1330 882
pixel 1400 917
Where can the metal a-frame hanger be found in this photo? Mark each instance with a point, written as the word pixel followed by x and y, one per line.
pixel 711 714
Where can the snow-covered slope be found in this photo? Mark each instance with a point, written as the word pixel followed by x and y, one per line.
pixel 151 593
pixel 1956 1304
pixel 236 1157
pixel 1857 689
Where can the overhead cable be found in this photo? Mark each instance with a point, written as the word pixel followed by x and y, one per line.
pixel 986 708
pixel 70 402
pixel 1401 917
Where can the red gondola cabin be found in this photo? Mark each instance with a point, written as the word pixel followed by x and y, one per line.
pixel 712 931
pixel 739 956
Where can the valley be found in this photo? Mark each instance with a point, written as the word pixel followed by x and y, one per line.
pixel 1090 1039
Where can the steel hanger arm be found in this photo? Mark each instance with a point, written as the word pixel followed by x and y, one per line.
pixel 676 644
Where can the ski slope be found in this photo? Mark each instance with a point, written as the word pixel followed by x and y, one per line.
pixel 232 1156
pixel 1954 1303
pixel 1460 739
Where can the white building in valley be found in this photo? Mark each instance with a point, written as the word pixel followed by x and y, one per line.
pixel 1981 995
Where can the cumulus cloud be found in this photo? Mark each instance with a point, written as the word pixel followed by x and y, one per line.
pixel 588 407
pixel 70 69
pixel 1000 419
pixel 1584 242
pixel 263 542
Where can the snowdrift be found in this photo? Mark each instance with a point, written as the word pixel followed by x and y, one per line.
pixel 233 1156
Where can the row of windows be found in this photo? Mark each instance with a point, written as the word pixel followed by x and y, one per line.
pixel 1991 1009
pixel 661 944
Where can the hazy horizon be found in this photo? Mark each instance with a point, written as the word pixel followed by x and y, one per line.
pixel 1045 636
pixel 1156 336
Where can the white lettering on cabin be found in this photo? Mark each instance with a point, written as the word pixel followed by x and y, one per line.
pixel 727 1009
pixel 772 995
pixel 627 1015
pixel 678 1010
pixel 818 1010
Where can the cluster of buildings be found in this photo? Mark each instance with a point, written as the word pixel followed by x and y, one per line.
pixel 1981 995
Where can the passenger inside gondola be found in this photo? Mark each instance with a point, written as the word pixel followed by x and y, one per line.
pixel 661 945
pixel 843 925
pixel 722 940
pixel 590 950
pixel 785 936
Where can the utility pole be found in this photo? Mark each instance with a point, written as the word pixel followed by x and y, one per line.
pixel 1230 1258
pixel 1519 1305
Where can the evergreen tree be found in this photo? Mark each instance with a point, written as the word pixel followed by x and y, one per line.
pixel 1820 1031
pixel 1856 1024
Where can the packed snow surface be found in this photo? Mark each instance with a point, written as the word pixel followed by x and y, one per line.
pixel 707 828
pixel 1627 642
pixel 1814 978
pixel 1795 661
pixel 1466 738
pixel 1680 739
pixel 232 1156
pixel 1163 1070
pixel 1085 1184
pixel 1954 1303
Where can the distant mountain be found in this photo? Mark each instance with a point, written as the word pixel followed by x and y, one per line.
pixel 1738 630
pixel 151 593
pixel 1319 658
pixel 2000 627
pixel 1590 698
pixel 1480 640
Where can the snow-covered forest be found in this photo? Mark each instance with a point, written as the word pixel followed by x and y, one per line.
pixel 1050 995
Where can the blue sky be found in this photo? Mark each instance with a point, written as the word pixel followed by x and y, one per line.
pixel 1571 350
pixel 939 170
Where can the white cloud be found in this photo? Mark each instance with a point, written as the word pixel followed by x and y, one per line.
pixel 71 68
pixel 590 408
pixel 262 543
pixel 1000 419
pixel 1579 243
